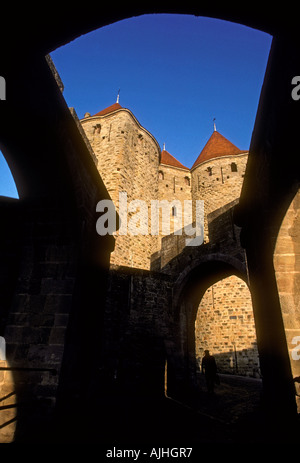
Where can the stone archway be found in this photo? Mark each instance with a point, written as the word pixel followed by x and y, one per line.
pixel 287 272
pixel 188 291
pixel 225 326
pixel 53 30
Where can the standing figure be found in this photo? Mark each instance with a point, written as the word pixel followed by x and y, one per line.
pixel 209 368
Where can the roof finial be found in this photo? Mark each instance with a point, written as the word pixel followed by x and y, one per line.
pixel 118 96
pixel 215 128
pixel 164 147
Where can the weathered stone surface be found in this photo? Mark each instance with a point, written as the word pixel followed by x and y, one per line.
pixel 287 270
pixel 129 159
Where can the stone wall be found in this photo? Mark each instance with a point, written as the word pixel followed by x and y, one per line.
pixel 218 181
pixel 52 256
pixel 137 329
pixel 128 161
pixel 138 316
pixel 174 185
pixel 287 271
pixel 147 324
pixel 8 404
pixel 35 328
pixel 128 158
pixel 225 326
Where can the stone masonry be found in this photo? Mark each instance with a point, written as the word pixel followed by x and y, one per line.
pixel 225 326
pixel 129 160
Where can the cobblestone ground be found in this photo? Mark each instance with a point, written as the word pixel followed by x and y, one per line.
pixel 232 415
pixel 233 398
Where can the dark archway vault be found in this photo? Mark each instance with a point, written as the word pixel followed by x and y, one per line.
pixel 57 226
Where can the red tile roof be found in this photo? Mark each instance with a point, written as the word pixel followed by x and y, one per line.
pixel 217 146
pixel 108 110
pixel 168 159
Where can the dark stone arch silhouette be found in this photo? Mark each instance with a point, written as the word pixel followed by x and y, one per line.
pixel 206 269
pixel 42 171
pixel 188 292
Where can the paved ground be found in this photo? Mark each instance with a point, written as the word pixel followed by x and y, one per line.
pixel 234 398
pixel 232 415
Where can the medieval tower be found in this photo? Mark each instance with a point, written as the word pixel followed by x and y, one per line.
pixel 130 161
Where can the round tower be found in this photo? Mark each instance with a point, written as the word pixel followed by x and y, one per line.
pixel 217 175
pixel 128 158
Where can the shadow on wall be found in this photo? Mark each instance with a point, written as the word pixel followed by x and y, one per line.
pixel 242 362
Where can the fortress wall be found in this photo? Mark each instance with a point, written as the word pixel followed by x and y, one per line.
pixel 174 183
pixel 217 184
pixel 103 136
pixel 174 186
pixel 225 326
pixel 136 328
pixel 128 158
pixel 287 270
pixel 128 161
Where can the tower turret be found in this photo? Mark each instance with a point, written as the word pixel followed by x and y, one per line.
pixel 128 158
pixel 217 174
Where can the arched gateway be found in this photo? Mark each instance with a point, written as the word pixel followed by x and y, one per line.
pixel 212 309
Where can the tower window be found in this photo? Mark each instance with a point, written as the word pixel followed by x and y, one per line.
pixel 160 175
pixel 97 128
pixel 233 167
pixel 174 212
pixel 187 180
pixel 209 170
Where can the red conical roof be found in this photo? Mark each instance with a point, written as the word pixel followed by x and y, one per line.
pixel 108 110
pixel 169 160
pixel 217 146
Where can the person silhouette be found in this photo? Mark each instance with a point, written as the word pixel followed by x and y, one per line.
pixel 209 369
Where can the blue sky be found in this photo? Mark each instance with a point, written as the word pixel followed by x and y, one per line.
pixel 176 73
